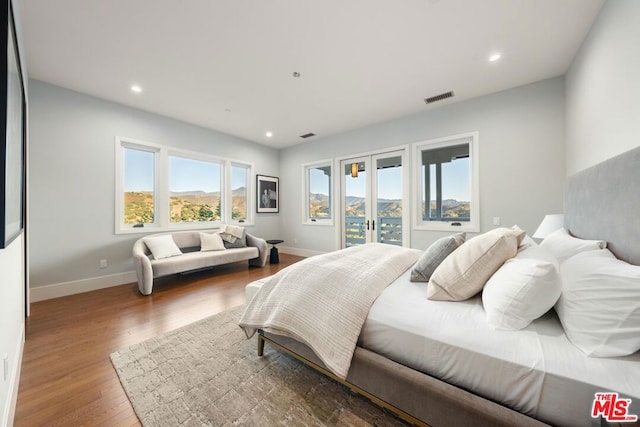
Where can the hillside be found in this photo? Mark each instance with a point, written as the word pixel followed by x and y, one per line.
pixel 389 208
pixel 186 206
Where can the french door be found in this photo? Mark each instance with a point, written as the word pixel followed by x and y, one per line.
pixel 374 199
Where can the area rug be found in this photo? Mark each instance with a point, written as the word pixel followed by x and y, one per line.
pixel 209 374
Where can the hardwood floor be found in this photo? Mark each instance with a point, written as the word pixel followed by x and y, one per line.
pixel 67 378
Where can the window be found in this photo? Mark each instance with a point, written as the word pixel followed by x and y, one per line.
pixel 160 188
pixel 448 183
pixel 318 194
pixel 239 192
pixel 194 190
pixel 139 191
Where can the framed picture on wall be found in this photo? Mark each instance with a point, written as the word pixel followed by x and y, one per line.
pixel 267 192
pixel 12 143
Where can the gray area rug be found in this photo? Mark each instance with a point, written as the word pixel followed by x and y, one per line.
pixel 209 374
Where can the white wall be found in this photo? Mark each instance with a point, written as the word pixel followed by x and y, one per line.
pixel 522 164
pixel 12 294
pixel 11 323
pixel 603 88
pixel 72 181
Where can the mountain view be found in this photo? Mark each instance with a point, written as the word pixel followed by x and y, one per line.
pixel 319 206
pixel 186 206
pixel 452 209
pixel 390 208
pixel 190 206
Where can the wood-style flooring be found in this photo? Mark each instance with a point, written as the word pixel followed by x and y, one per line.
pixel 67 378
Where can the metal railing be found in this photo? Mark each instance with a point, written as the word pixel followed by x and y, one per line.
pixel 388 229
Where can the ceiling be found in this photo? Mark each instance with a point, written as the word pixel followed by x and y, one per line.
pixel 228 64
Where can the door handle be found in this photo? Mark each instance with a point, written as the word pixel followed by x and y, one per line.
pixel 373 224
pixel 367 224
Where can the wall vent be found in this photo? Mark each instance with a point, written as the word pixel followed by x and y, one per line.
pixel 439 97
pixel 308 135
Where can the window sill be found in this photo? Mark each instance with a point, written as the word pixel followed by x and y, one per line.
pixel 185 227
pixel 325 223
pixel 446 226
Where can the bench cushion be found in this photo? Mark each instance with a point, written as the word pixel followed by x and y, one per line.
pixel 197 260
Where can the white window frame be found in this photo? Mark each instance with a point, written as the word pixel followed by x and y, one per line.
pixel 472 138
pixel 306 219
pixel 162 220
pixel 191 155
pixel 121 144
pixel 230 164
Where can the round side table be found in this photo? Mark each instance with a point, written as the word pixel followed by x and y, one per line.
pixel 273 256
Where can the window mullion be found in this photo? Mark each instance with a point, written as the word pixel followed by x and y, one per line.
pixel 161 182
pixel 226 193
pixel 438 191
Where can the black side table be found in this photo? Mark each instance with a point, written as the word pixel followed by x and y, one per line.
pixel 273 256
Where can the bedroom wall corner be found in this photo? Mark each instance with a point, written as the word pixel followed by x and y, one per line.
pixel 602 88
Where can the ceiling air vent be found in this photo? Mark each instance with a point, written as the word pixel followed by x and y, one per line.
pixel 308 135
pixel 439 97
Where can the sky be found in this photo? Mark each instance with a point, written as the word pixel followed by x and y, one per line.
pixel 184 174
pixel 388 183
pixel 196 175
pixel 455 182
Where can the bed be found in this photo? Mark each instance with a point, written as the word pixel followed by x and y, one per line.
pixel 439 363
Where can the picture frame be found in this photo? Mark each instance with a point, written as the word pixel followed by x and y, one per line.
pixel 13 141
pixel 268 194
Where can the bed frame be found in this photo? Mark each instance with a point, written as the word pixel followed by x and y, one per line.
pixel 601 202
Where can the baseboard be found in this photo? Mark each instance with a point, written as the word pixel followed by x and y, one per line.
pixel 57 290
pixel 12 396
pixel 298 251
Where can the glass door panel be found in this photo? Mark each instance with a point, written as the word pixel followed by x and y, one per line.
pixel 389 194
pixel 355 203
pixel 373 196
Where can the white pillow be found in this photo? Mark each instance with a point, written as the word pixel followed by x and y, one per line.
pixel 527 243
pixel 523 289
pixel 162 246
pixel 563 245
pixel 211 242
pixel 600 304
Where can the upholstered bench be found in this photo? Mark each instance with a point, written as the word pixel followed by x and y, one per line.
pixel 190 256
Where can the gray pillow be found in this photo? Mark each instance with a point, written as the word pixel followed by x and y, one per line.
pixel 434 255
pixel 240 242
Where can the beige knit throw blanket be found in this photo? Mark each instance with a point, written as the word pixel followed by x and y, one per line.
pixel 323 301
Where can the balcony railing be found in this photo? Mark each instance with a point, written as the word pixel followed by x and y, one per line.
pixel 389 230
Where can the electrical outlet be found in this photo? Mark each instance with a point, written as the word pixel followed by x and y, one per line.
pixel 6 366
pixel 496 220
pixel 103 263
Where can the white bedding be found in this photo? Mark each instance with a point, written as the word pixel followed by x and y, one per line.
pixel 323 301
pixel 536 370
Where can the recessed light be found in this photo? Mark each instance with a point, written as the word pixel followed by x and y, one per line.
pixel 495 57
pixel 269 134
pixel 296 74
pixel 136 89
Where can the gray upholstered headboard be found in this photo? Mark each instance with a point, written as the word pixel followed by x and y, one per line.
pixel 603 202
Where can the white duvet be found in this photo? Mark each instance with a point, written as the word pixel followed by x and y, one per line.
pixel 324 300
